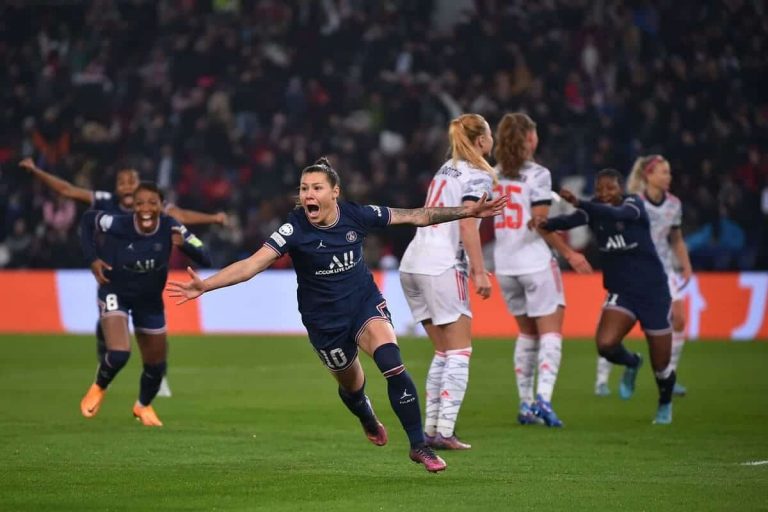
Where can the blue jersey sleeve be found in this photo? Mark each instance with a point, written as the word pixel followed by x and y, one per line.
pixel 192 247
pixel 566 222
pixel 95 221
pixel 371 216
pixel 283 239
pixel 630 209
pixel 102 200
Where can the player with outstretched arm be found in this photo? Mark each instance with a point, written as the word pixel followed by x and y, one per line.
pixel 340 305
pixel 634 278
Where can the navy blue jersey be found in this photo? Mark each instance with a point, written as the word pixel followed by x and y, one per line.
pixel 333 279
pixel 108 202
pixel 139 261
pixel 630 262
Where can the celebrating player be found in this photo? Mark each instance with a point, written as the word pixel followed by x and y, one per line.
pixel 130 263
pixel 528 274
pixel 340 305
pixel 434 274
pixel 650 178
pixel 635 281
pixel 119 202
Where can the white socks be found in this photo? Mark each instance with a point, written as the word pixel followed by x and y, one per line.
pixel 550 353
pixel 603 370
pixel 678 340
pixel 526 354
pixel 434 383
pixel 452 389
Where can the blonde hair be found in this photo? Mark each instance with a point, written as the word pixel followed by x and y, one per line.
pixel 642 167
pixel 510 149
pixel 462 133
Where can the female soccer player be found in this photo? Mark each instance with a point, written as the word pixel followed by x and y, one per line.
pixel 119 202
pixel 650 178
pixel 130 263
pixel 434 274
pixel 634 278
pixel 528 274
pixel 340 305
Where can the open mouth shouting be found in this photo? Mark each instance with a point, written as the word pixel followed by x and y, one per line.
pixel 313 211
pixel 146 221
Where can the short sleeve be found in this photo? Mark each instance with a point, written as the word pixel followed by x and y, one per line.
pixel 375 216
pixel 635 203
pixel 118 225
pixel 476 186
pixel 541 187
pixel 283 238
pixel 677 218
pixel 102 200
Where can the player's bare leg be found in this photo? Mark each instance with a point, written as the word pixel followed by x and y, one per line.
pixel 614 325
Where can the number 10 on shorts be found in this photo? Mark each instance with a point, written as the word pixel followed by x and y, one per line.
pixel 334 358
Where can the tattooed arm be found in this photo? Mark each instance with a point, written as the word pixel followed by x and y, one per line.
pixel 427 216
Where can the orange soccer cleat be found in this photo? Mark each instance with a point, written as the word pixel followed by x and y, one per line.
pixel 91 402
pixel 146 415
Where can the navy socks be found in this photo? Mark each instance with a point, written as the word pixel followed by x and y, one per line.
pixel 402 391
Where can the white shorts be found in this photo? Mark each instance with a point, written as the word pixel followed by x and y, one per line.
pixel 675 281
pixel 442 299
pixel 537 294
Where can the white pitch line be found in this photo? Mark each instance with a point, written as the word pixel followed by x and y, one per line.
pixel 755 463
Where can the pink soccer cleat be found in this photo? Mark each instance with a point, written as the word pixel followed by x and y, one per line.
pixel 376 433
pixel 423 454
pixel 449 443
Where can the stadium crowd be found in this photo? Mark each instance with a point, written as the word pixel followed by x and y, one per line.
pixel 222 103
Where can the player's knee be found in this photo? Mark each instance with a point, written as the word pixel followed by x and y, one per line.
pixel 116 359
pixel 678 322
pixel 387 358
pixel 605 348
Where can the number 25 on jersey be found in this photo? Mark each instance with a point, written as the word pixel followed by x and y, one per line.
pixel 512 216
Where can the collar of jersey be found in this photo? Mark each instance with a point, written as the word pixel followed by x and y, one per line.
pixel 338 217
pixel 139 231
pixel 654 203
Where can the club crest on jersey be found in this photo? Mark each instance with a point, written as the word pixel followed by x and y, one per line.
pixel 620 226
pixel 286 229
pixel 158 247
pixel 351 236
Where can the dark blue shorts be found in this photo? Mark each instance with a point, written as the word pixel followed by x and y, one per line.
pixel 147 313
pixel 653 311
pixel 337 348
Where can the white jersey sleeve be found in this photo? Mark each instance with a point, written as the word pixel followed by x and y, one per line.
pixel 519 250
pixel 434 249
pixel 664 217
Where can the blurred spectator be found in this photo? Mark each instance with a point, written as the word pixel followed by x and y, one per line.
pixel 223 102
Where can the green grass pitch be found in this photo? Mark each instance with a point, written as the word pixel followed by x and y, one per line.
pixel 255 424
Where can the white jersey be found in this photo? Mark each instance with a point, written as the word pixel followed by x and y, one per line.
pixel 519 250
pixel 664 216
pixel 437 248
